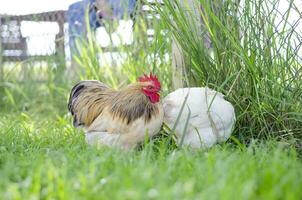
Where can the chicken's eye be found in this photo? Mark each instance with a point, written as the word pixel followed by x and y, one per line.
pixel 150 87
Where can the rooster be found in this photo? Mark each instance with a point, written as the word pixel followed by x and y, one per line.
pixel 121 118
pixel 206 118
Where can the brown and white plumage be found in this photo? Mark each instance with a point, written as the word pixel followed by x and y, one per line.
pixel 116 117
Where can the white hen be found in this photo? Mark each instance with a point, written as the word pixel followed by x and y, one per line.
pixel 211 117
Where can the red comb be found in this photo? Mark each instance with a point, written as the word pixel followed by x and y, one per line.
pixel 151 77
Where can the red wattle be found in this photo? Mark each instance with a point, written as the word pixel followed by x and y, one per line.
pixel 154 97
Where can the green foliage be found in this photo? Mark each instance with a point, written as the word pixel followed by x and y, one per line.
pixel 146 54
pixel 40 87
pixel 43 87
pixel 254 60
pixel 48 159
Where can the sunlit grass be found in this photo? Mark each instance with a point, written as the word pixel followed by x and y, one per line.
pixel 48 159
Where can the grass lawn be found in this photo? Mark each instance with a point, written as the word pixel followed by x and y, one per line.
pixel 47 159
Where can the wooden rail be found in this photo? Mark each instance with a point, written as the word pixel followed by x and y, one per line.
pixel 19 42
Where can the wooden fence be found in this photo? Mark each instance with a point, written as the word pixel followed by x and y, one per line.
pixel 13 45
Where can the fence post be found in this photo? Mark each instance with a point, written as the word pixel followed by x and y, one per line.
pixel 178 62
pixel 1 54
pixel 178 65
pixel 60 36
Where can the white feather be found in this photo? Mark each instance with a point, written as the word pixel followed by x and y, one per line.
pixel 211 120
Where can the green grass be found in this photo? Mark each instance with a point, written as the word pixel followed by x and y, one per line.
pixel 254 60
pixel 48 159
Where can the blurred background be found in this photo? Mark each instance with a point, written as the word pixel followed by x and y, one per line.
pixel 40 35
pixel 53 44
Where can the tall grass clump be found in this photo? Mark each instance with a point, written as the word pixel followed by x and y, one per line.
pixel 34 86
pixel 37 86
pixel 148 52
pixel 253 59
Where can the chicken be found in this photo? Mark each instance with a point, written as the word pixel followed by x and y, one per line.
pixel 210 117
pixel 121 118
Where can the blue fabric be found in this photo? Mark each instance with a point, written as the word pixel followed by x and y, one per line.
pixel 119 7
pixel 76 16
pixel 77 22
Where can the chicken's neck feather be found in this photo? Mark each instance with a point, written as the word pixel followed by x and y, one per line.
pixel 131 103
pixel 138 89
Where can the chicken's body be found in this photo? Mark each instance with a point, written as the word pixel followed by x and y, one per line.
pixel 211 119
pixel 114 117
